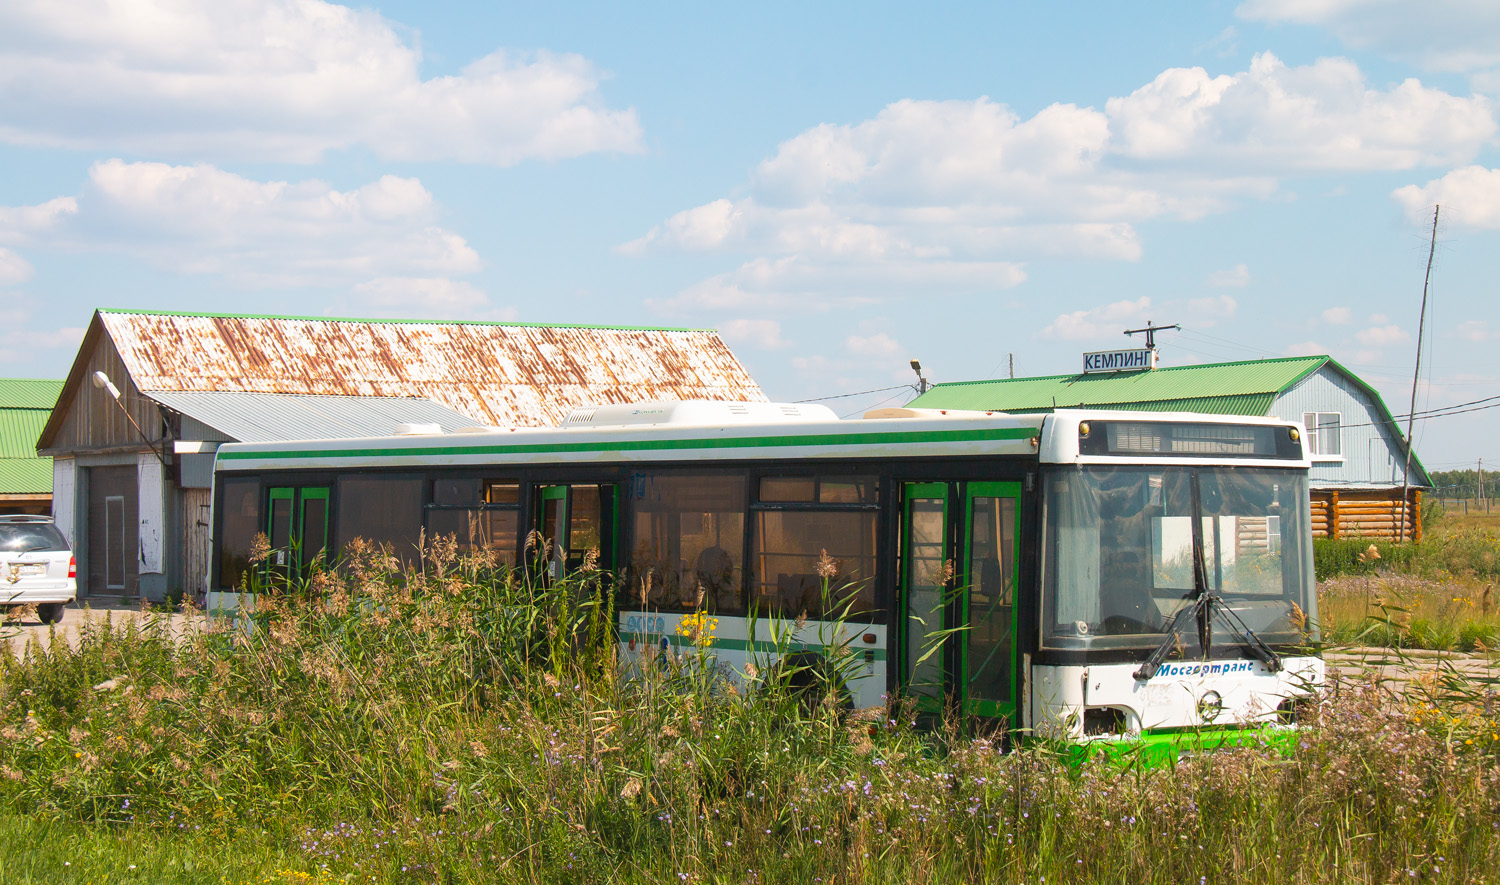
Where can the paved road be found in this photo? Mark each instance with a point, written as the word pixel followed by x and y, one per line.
pixel 1409 664
pixel 18 632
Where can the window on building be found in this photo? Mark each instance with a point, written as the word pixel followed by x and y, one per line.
pixel 688 543
pixel 483 516
pixel 813 548
pixel 1323 434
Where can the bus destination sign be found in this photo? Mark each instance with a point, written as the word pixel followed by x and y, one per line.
pixel 1119 360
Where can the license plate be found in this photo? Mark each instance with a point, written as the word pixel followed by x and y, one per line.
pixel 28 569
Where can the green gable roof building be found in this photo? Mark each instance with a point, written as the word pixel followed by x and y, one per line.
pixel 1358 450
pixel 25 477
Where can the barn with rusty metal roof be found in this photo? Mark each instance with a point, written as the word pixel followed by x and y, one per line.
pixel 132 448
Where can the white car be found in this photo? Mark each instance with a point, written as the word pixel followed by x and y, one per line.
pixel 36 566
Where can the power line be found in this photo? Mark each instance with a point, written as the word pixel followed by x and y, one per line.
pixel 818 399
pixel 1442 412
pixel 871 408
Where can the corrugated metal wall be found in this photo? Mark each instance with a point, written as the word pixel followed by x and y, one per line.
pixel 1370 455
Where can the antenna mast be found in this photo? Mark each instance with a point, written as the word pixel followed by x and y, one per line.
pixel 1151 330
pixel 1416 375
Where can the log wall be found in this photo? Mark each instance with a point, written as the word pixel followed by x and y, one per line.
pixel 1367 513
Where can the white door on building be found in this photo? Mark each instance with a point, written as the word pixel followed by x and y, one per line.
pixel 1382 465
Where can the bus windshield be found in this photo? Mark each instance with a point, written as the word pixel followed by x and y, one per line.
pixel 1121 545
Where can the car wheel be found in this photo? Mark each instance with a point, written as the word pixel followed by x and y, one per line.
pixel 50 612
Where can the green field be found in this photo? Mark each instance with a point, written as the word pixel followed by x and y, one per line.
pixel 453 726
pixel 1439 594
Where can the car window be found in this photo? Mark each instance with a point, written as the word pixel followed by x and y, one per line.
pixel 25 537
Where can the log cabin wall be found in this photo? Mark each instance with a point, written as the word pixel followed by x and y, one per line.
pixel 1367 513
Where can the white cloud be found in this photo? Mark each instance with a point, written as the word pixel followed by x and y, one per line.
pixel 13 268
pixel 19 223
pixel 203 220
pixel 1305 348
pixel 1099 322
pixel 877 345
pixel 926 191
pixel 1474 330
pixel 21 341
pixel 1381 336
pixel 1224 45
pixel 1236 277
pixel 1337 316
pixel 761 334
pixel 1279 118
pixel 1446 35
pixel 1206 311
pixel 282 80
pixel 1469 197
pixel 795 284
pixel 427 297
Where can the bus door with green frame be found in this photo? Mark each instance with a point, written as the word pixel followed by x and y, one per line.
pixel 574 521
pixel 297 528
pixel 957 613
pixel 987 599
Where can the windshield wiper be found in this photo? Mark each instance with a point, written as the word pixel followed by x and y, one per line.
pixel 1201 606
pixel 1202 609
pixel 1257 646
pixel 1154 662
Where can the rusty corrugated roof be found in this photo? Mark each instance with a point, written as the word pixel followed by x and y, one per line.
pixel 501 374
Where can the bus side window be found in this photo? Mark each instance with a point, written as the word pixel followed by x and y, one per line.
pixel 689 538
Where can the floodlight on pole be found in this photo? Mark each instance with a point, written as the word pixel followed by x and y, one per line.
pixel 102 382
pixel 922 385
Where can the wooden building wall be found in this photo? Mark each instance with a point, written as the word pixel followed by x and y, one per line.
pixel 94 422
pixel 1366 513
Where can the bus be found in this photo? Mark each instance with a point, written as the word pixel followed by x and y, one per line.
pixel 1082 574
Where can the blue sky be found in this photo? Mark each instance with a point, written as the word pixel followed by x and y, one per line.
pixel 836 187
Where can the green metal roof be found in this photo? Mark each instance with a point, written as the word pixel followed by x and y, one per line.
pixel 1241 388
pixel 25 476
pixel 25 406
pixel 19 430
pixel 29 393
pixel 1249 387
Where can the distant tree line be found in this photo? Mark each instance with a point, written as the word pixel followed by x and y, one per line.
pixel 1465 483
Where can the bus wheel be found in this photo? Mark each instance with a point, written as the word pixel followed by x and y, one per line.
pixel 810 680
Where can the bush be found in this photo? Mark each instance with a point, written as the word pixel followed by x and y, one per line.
pixel 1350 556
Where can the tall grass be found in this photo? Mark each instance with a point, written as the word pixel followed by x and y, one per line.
pixel 1439 594
pixel 456 723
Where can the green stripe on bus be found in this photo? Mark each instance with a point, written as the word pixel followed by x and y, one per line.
pixel 760 647
pixel 634 445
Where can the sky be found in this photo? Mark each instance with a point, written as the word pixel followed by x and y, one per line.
pixel 838 188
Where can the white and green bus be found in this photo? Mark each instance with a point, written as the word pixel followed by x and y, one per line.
pixel 1080 573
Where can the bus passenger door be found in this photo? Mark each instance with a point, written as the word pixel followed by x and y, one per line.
pixel 987 582
pixel 576 524
pixel 957 596
pixel 297 528
pixel 925 582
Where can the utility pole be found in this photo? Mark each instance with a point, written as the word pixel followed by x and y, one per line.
pixel 1012 366
pixel 1411 413
pixel 1481 485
